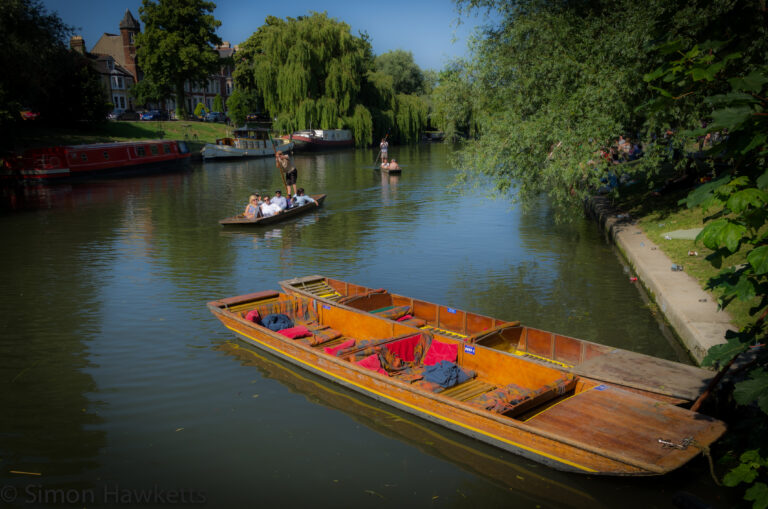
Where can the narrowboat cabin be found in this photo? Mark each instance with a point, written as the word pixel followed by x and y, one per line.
pixel 71 161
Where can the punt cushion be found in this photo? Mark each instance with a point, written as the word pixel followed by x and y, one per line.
pixel 372 362
pixel 439 351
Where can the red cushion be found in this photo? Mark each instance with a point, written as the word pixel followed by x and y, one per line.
pixel 331 350
pixel 404 317
pixel 372 362
pixel 439 351
pixel 403 348
pixel 253 316
pixel 295 332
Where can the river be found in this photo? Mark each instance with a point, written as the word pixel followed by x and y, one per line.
pixel 118 383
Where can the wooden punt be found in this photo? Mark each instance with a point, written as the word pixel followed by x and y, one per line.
pixel 241 220
pixel 669 381
pixel 544 413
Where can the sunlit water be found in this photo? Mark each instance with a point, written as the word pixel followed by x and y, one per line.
pixel 116 377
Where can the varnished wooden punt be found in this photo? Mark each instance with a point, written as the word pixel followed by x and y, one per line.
pixel 241 220
pixel 668 381
pixel 593 428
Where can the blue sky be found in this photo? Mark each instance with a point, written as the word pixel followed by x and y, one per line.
pixel 427 28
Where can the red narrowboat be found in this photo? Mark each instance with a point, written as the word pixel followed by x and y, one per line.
pixel 70 161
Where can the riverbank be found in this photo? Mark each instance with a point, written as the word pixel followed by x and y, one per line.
pixel 691 311
pixel 34 136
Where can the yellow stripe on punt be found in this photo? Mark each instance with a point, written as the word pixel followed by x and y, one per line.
pixel 443 331
pixel 421 410
pixel 546 359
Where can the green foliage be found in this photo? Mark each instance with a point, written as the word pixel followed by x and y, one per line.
pixel 218 103
pixel 311 72
pixel 175 47
pixel 239 105
pixel 452 103
pixel 200 110
pixel 406 75
pixel 39 71
pixel 728 91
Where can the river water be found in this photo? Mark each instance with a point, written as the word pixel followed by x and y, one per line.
pixel 117 383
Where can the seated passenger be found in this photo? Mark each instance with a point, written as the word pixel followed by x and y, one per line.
pixel 280 200
pixel 393 165
pixel 252 209
pixel 269 209
pixel 301 199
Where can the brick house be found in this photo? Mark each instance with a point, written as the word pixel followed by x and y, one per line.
pixel 124 69
pixel 114 77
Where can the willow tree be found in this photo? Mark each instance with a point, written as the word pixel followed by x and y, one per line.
pixel 311 72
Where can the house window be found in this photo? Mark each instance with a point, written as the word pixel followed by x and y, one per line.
pixel 116 101
pixel 110 65
pixel 122 102
pixel 140 151
pixel 130 37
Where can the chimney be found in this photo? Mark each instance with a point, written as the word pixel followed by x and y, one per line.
pixel 77 43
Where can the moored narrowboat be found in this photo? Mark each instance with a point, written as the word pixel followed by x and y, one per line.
pixel 70 161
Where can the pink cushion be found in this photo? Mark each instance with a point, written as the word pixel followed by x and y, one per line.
pixel 403 348
pixel 295 332
pixel 404 317
pixel 372 362
pixel 439 351
pixel 253 316
pixel 331 350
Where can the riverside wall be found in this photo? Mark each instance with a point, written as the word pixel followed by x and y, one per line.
pixel 691 311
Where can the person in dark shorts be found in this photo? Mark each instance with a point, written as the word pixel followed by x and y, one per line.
pixel 290 171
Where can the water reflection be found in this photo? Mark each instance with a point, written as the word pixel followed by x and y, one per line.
pixel 523 479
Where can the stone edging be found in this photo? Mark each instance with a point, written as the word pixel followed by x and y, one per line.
pixel 691 311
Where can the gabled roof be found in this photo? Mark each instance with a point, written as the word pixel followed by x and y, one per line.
pixel 129 21
pixel 112 45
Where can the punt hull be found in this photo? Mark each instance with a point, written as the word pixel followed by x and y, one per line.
pixel 241 220
pixel 668 381
pixel 540 442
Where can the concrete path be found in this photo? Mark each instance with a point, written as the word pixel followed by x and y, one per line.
pixel 691 311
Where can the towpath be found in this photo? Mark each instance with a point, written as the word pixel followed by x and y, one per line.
pixel 691 311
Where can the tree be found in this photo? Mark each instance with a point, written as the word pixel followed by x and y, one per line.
pixel 311 72
pixel 40 72
pixel 177 46
pixel 218 103
pixel 239 105
pixel 406 75
pixel 726 84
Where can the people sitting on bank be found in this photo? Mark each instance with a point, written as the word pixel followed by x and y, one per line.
pixel 280 200
pixel 302 199
pixel 291 173
pixel 252 209
pixel 268 208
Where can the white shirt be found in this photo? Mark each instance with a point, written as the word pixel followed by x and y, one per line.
pixel 270 209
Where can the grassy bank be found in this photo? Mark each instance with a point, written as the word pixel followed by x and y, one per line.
pixel 658 216
pixel 28 136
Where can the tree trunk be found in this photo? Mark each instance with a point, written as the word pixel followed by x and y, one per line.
pixel 181 102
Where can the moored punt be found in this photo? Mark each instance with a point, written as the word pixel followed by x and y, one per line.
pixel 669 381
pixel 68 162
pixel 241 220
pixel 540 412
